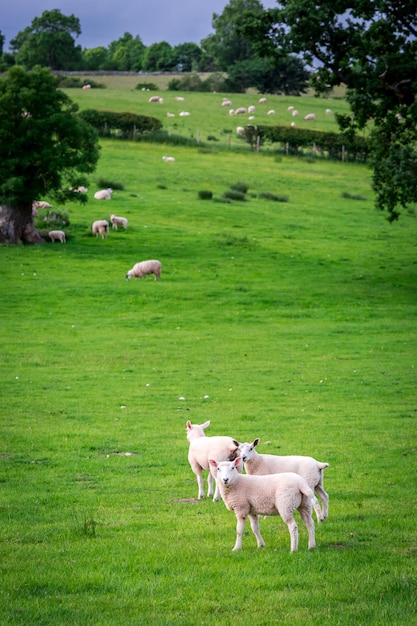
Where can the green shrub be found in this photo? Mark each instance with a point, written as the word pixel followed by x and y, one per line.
pixel 205 194
pixel 54 217
pixel 233 194
pixel 75 82
pixel 123 125
pixel 242 187
pixel 266 195
pixel 147 87
pixel 107 183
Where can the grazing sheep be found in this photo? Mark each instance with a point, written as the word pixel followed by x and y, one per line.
pixel 251 109
pixel 170 114
pixel 276 494
pixel 81 189
pixel 226 103
pixel 168 159
pixel 271 112
pixel 293 124
pixel 86 86
pixel 118 221
pixel 329 111
pixel 240 111
pixel 100 227
pixel 310 116
pixel 57 235
pixel 41 204
pixel 184 114
pixel 294 113
pixel 240 130
pixel 203 448
pixel 306 466
pixel 103 194
pixel 156 99
pixel 139 270
pixel 262 100
pixel 290 108
pixel 231 111
pixel 179 98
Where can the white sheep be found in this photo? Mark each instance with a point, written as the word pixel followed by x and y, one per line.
pixel 118 221
pixel 57 235
pixel 156 99
pixel 262 100
pixel 103 194
pixel 240 130
pixel 290 108
pixel 144 268
pixel 310 116
pixel 41 204
pixel 179 98
pixel 329 111
pixel 294 113
pixel 231 111
pixel 276 494
pixel 168 159
pixel 86 86
pixel 100 227
pixel 226 103
pixel 170 114
pixel 240 111
pixel 306 466
pixel 251 109
pixel 203 448
pixel 184 114
pixel 81 189
pixel 271 112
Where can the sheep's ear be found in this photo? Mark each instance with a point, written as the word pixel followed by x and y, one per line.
pixel 236 443
pixel 205 425
pixel 257 441
pixel 212 462
pixel 188 425
pixel 238 461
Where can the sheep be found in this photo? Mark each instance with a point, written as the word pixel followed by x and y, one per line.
pixel 306 466
pixel 168 159
pixel 139 270
pixel 251 109
pixel 240 130
pixel 81 189
pixel 276 494
pixel 170 114
pixel 226 103
pixel 156 99
pixel 57 235
pixel 100 227
pixel 201 449
pixel 184 114
pixel 231 111
pixel 329 111
pixel 118 221
pixel 262 100
pixel 290 108
pixel 310 116
pixel 240 111
pixel 103 194
pixel 179 98
pixel 41 204
pixel 271 112
pixel 294 113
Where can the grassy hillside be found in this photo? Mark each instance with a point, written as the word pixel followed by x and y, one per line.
pixel 292 321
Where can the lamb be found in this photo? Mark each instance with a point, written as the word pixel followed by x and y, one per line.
pixel 271 112
pixel 226 103
pixel 100 227
pixel 103 194
pixel 310 116
pixel 57 235
pixel 294 113
pixel 240 111
pixel 251 109
pixel 139 270
pixel 118 221
pixel 306 466
pixel 276 494
pixel 262 100
pixel 203 448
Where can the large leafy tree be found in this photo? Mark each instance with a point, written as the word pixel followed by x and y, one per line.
pixel 371 47
pixel 126 54
pixel 158 57
pixel 45 149
pixel 186 56
pixel 228 45
pixel 49 41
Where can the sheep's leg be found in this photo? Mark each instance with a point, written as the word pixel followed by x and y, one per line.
pixel 210 481
pixel 216 496
pixel 293 529
pixel 240 526
pixel 305 513
pixel 254 524
pixel 324 498
pixel 200 483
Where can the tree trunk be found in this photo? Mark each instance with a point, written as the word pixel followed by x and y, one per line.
pixel 17 225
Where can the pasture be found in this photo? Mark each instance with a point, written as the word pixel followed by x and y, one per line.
pixel 289 321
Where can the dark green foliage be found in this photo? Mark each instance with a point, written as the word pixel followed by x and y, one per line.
pixel 205 194
pixel 107 183
pixel 146 87
pixel 242 187
pixel 333 145
pixel 52 218
pixel 74 82
pixel 124 125
pixel 232 194
pixel 266 195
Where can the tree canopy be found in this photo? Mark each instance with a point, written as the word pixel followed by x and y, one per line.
pixel 45 149
pixel 371 47
pixel 49 41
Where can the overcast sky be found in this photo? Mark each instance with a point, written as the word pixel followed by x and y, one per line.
pixel 104 21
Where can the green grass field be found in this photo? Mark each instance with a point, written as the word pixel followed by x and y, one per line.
pixel 294 322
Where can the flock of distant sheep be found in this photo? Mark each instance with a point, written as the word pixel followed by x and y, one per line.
pixel 272 485
pixel 101 228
